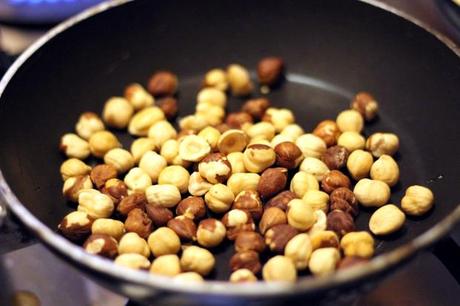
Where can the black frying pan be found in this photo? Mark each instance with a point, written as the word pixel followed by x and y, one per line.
pixel 332 48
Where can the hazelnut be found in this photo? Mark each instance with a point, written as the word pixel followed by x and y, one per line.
pixel 360 244
pixel 193 122
pixel 299 249
pixel 272 181
pixel 219 198
pixel 340 222
pixel 300 215
pixel 117 112
pixel 170 152
pixel 333 180
pixel 95 204
pixel 256 107
pixel 138 97
pixel 193 148
pixel 242 276
pixel 102 245
pixel 351 141
pixel 153 164
pixel 269 70
pixel 366 105
pixel 215 168
pixel 144 119
pixel 259 141
pixel 249 201
pixel 102 173
pixel 175 175
pixel 168 265
pixel 359 164
pixel 345 200
pixel 386 220
pixel 328 131
pixel 320 223
pixel 197 260
pixel 348 262
pixel 158 214
pixel 280 139
pixel 169 107
pixel 236 161
pixel 189 277
pixel 237 221
pixel 141 146
pixel 324 239
pixel 165 195
pixel 132 261
pixel 76 226
pixel 372 193
pixel 212 96
pixel 239 80
pixel 191 207
pixel 279 269
pixel 278 236
pixel 246 260
pixel 161 131
pixel 211 135
pixel 288 155
pixel 73 186
pixel 335 157
pixel 301 182
pixel 211 232
pixel 121 159
pixel 73 167
pixel 24 298
pixel 272 216
pixel 116 189
pixel 315 167
pixel 258 157
pixel 417 200
pixel 138 222
pixel 132 201
pixel 212 114
pixel 164 241
pixel 111 227
pixel 311 145
pixel 317 200
pixel 88 124
pixel 216 78
pixel 237 120
pixel 184 227
pixel 281 200
pixel 382 143
pixel 132 243
pixel 222 127
pixel 261 130
pixel 162 83
pixel 385 169
pixel 74 146
pixel 279 117
pixel 232 141
pixel 350 120
pixel 137 179
pixel 197 185
pixel 323 261
pixel 101 142
pixel 249 241
pixel 243 181
pixel 293 131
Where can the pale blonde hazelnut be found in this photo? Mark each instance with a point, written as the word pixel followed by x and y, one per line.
pixel 216 78
pixel 372 193
pixel 323 261
pixel 141 146
pixel 236 161
pixel 261 130
pixel 73 167
pixel 299 249
pixel 117 112
pixel 280 118
pixel 133 243
pixel 142 121
pixel 351 141
pixel 311 145
pixel 243 181
pixel 211 135
pixel 318 200
pixel 189 277
pixel 197 260
pixel 417 200
pixel 300 215
pixel 213 114
pixel 386 220
pixel 293 131
pixel 88 123
pixel 232 141
pixel 73 146
pixel 350 120
pixel 161 131
pixel 280 139
pixel 95 204
pixel 320 223
pixel 260 141
pixel 219 198
pixel 168 265
pixel 359 164
pixel 258 157
pixel 212 96
pixel 210 233
pixel 385 169
pixel 193 148
pixel 170 150
pixel 121 159
pixel 315 167
pixel 153 164
pixel 239 80
pixel 193 122
pixel 279 269
pixel 197 185
pixel 132 261
pixel 111 227
pixel 73 185
pixel 382 143
pixel 165 195
pixel 164 241
pixel 175 175
pixel 301 182
pixel 242 276
pixel 101 142
pixel 138 97
pixel 137 179
pixel 359 244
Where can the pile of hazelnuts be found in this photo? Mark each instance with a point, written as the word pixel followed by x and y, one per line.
pixel 252 177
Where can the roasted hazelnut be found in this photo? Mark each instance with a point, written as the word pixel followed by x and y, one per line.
pixel 165 195
pixel 261 131
pixel 280 139
pixel 162 83
pixel 299 250
pixel 211 113
pixel 237 221
pixel 281 200
pixel 246 260
pixel 212 96
pixel 256 107
pixel 191 207
pixel 288 155
pixel 117 112
pixel 216 78
pixel 193 148
pixel 144 119
pixel 95 204
pixel 197 260
pixel 141 146
pixel 183 133
pixel 132 201
pixel 232 141
pixel 74 146
pixel 102 245
pixel 314 167
pixel 360 244
pixel 324 239
pixel 164 241
pixel 161 131
pixel 175 175
pixel 340 222
pixel 249 201
pixel 111 227
pixel 239 80
pixel 211 135
pixel 350 261
pixel 350 120
pixel 24 298
pixel 323 261
pixel 219 198
pixel 345 200
pixel 139 222
pixel 382 143
pixel 249 241
pixel 328 131
pixel 137 179
pixel 278 236
pixel 101 142
pixel 372 193
pixel 222 127
pixel 317 200
pixel 197 185
pixel 73 167
pixel 311 145
pixel 132 243
pixel 258 157
pixel 168 265
pixel 272 216
pixel 301 182
pixel 73 186
pixel 88 124
pixel 300 215
pixel 184 227
pixel 169 107
pixel 242 276
pixel 116 189
pixel 320 223
pixel 243 181
pixel 279 117
pixel 386 220
pixel 138 97
pixel 385 169
pixel 215 168
pixel 333 180
pixel 102 173
pixel 211 232
pixel 188 277
pixel 272 181
pixel 170 152
pixel 366 105
pixel 417 200
pixel 351 141
pixel 193 122
pixel 293 131
pixel 335 157
pixel 279 269
pixel 132 261
pixel 269 70
pixel 76 226
pixel 158 214
pixel 237 120
pixel 359 164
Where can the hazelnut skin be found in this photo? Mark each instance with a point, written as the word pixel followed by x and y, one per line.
pixel 335 157
pixel 333 180
pixel 340 222
pixel 272 181
pixel 246 260
pixel 270 70
pixel 288 155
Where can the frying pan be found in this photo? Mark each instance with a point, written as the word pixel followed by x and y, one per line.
pixel 333 48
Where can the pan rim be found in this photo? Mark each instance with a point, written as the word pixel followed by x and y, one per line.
pixel 305 285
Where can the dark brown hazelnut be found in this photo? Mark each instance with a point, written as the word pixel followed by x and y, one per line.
pixel 249 241
pixel 249 201
pixel 222 127
pixel 102 245
pixel 192 208
pixel 366 105
pixel 102 173
pixel 334 179
pixel 340 222
pixel 270 70
pixel 256 107
pixel 138 222
pixel 162 83
pixel 184 227
pixel 351 261
pixel 128 203
pixel 278 236
pixel 272 216
pixel 246 260
pixel 272 181
pixel 116 189
pixel 237 120
pixel 78 183
pixel 169 107
pixel 281 200
pixel 76 226
pixel 158 214
pixel 335 157
pixel 288 155
pixel 237 221
pixel 329 131
pixel 344 199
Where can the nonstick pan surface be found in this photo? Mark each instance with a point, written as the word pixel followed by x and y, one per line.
pixel 332 49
